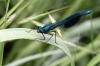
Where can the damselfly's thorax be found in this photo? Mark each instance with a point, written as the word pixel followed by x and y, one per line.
pixel 44 29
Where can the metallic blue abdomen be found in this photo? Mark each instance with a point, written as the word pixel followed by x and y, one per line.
pixel 71 20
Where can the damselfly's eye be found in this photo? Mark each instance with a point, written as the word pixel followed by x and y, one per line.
pixel 40 29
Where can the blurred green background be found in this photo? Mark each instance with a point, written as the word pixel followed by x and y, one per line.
pixel 84 33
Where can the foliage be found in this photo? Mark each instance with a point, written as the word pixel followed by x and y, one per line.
pixel 80 42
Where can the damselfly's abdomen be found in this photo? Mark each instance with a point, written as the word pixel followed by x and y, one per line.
pixel 71 20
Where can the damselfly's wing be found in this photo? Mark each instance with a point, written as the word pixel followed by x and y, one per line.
pixel 72 20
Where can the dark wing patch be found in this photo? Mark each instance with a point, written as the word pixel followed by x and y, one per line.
pixel 72 20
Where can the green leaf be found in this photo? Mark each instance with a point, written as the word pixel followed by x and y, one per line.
pixel 94 61
pixel 33 57
pixel 21 33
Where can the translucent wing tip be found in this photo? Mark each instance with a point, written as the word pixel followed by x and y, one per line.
pixel 88 12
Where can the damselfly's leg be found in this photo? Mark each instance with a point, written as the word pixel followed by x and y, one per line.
pixel 52 36
pixel 55 36
pixel 39 38
pixel 29 31
pixel 44 36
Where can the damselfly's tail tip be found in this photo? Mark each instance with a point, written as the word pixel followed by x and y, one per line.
pixel 88 12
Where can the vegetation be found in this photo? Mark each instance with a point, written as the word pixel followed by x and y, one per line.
pixel 80 44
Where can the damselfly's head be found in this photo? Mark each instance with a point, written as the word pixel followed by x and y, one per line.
pixel 40 29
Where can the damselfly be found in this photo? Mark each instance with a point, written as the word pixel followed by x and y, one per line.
pixel 67 22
